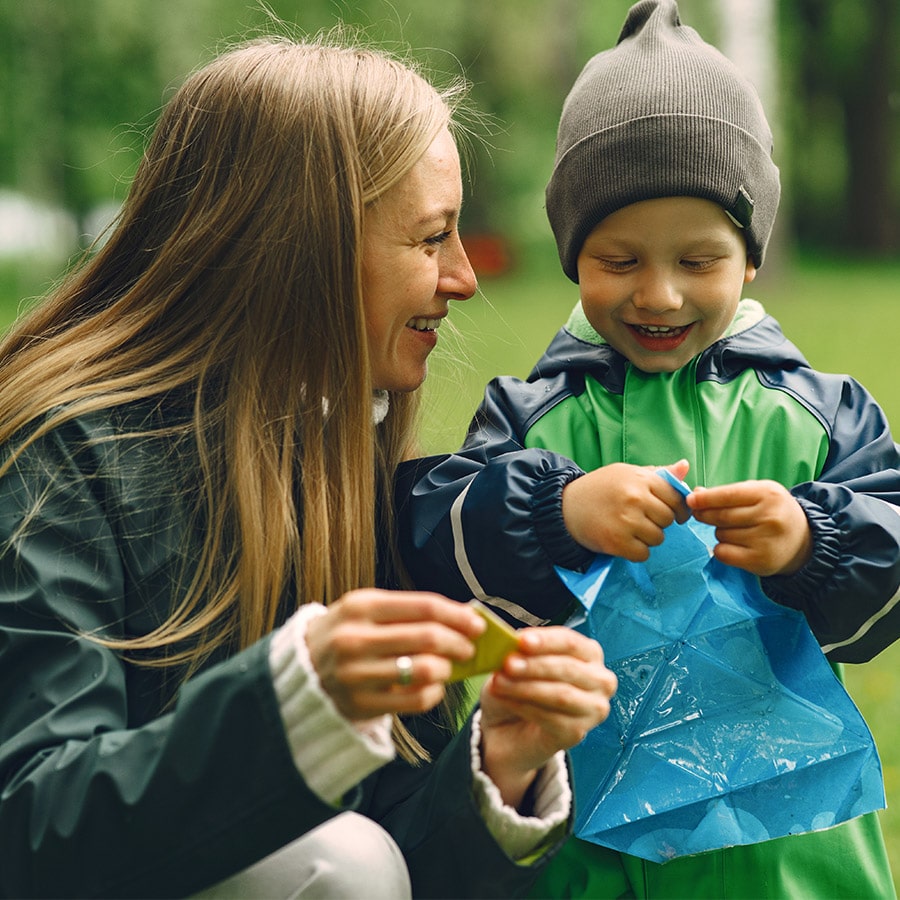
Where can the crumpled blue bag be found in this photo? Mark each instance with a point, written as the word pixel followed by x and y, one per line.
pixel 728 727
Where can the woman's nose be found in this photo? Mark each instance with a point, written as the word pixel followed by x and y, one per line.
pixel 457 277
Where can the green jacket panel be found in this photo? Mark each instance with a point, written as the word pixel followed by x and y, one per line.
pixel 839 864
pixel 728 432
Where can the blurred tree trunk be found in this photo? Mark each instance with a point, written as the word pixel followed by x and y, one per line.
pixel 848 55
pixel 748 36
pixel 866 101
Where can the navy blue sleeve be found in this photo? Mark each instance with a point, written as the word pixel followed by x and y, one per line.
pixel 487 521
pixel 850 591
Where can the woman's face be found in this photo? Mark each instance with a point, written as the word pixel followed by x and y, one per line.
pixel 413 266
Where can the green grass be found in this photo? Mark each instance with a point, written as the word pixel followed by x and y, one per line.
pixel 841 314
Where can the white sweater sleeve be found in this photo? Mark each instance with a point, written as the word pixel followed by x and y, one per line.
pixel 331 753
pixel 519 835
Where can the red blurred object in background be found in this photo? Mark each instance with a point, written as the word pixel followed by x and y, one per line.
pixel 488 253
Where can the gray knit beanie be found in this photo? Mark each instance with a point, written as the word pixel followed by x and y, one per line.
pixel 661 114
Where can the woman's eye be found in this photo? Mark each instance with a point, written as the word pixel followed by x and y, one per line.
pixel 437 239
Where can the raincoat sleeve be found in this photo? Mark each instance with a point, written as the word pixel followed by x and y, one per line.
pixel 106 791
pixel 850 590
pixel 443 836
pixel 487 521
pixel 114 782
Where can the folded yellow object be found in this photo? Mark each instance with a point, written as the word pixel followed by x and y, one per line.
pixel 496 643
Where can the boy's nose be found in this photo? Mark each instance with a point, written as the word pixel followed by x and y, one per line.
pixel 656 293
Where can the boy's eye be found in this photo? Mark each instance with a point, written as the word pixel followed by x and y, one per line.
pixel 616 264
pixel 438 239
pixel 698 265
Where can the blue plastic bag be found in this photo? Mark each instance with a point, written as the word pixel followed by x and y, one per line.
pixel 728 727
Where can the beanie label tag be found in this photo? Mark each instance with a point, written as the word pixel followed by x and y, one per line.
pixel 741 212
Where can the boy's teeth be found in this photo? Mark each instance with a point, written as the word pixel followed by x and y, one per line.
pixel 661 329
pixel 424 324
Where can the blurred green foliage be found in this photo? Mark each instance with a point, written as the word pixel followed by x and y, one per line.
pixel 81 82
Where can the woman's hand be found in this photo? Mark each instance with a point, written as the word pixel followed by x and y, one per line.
pixel 622 509
pixel 546 698
pixel 759 525
pixel 356 645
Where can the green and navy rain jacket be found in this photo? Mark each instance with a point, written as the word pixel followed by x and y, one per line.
pixel 487 522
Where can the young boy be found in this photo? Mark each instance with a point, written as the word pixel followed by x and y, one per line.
pixel 662 201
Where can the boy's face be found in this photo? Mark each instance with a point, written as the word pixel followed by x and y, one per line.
pixel 661 279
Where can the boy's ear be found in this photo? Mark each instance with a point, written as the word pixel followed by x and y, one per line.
pixel 750 271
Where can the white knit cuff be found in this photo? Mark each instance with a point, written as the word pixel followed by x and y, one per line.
pixel 518 835
pixel 331 753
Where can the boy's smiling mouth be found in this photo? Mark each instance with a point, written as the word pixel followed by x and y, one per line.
pixel 661 331
pixel 660 338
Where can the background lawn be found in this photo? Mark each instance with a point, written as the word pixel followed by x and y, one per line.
pixel 842 314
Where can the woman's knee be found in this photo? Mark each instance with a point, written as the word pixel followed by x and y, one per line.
pixel 358 858
pixel 346 858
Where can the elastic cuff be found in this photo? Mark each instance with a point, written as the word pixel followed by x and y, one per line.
pixel 330 752
pixel 546 509
pixel 517 835
pixel 804 585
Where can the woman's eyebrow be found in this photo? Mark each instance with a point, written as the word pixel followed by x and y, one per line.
pixel 439 215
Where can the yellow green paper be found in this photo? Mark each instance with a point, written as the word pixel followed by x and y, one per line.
pixel 496 642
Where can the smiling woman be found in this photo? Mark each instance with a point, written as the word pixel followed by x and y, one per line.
pixel 198 577
pixel 413 265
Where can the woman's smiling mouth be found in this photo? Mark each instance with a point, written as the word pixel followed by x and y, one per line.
pixel 423 324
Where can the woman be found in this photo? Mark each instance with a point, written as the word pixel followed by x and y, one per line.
pixel 194 508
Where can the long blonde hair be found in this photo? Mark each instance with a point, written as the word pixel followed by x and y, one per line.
pixel 233 275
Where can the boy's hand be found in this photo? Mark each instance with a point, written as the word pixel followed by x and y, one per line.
pixel 622 509
pixel 760 527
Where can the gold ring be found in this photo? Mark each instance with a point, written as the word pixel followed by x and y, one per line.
pixel 404 670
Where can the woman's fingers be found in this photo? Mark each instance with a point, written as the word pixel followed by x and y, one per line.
pixel 384 607
pixel 546 698
pixel 371 643
pixel 389 651
pixel 535 643
pixel 376 625
pixel 560 671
